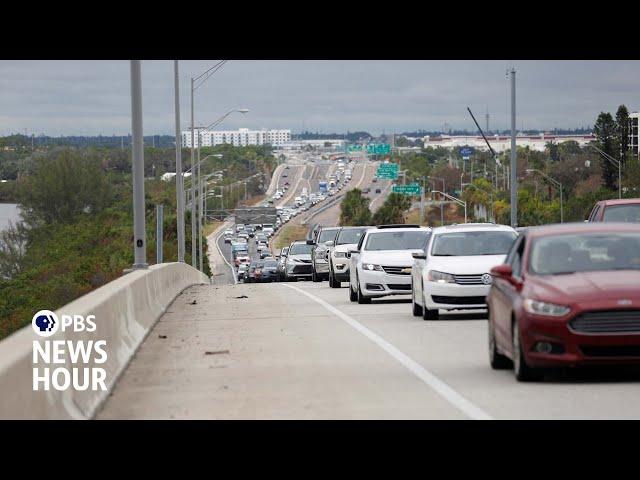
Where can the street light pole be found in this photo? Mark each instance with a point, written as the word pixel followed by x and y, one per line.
pixel 193 185
pixel 556 183
pixel 137 147
pixel 514 179
pixel 179 176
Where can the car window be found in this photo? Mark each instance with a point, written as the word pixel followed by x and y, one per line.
pixel 622 213
pixel 585 252
pixel 394 240
pixel 300 249
pixel 516 265
pixel 327 234
pixel 472 243
pixel 350 235
pixel 594 213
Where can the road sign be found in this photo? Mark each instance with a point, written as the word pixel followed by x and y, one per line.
pixel 466 151
pixel 409 189
pixel 371 148
pixel 384 167
pixel 388 170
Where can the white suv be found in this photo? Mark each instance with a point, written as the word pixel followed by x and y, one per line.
pixel 347 238
pixel 381 263
pixel 452 273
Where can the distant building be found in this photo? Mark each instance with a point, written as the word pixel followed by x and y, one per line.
pixel 501 143
pixel 633 133
pixel 327 144
pixel 239 138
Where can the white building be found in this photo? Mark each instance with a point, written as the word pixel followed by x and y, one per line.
pixel 633 133
pixel 239 138
pixel 501 143
pixel 329 144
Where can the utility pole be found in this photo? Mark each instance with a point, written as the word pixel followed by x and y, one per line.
pixel 137 147
pixel 513 170
pixel 179 176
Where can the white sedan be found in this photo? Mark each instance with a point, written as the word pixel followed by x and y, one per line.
pixel 381 263
pixel 452 273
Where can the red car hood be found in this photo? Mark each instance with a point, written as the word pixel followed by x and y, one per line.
pixel 587 286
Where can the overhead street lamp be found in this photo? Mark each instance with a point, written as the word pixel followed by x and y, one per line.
pixel 457 200
pixel 485 191
pixel 203 77
pixel 200 203
pixel 556 183
pixel 441 205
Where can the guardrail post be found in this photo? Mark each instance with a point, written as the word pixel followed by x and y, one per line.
pixel 159 232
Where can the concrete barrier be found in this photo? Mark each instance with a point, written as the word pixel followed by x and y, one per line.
pixel 125 309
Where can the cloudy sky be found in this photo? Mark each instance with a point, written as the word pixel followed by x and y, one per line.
pixel 93 97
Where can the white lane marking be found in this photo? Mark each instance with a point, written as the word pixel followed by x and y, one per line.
pixel 233 272
pixel 449 394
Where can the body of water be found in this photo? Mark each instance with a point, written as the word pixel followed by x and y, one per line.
pixel 9 212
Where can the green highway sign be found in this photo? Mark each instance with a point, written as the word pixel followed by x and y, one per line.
pixel 387 175
pixel 410 189
pixel 371 148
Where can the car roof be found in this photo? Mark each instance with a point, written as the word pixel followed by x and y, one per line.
pixel 473 227
pixel 356 227
pixel 399 229
pixel 620 201
pixel 582 227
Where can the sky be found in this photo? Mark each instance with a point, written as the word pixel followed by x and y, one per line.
pixel 56 97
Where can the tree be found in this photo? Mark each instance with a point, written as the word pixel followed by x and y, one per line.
pixel 354 209
pixel 392 210
pixel 605 131
pixel 552 149
pixel 63 186
pixel 622 131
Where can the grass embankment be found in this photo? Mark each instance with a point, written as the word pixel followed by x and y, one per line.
pixel 209 228
pixel 288 234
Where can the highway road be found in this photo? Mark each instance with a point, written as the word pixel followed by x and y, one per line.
pixel 303 351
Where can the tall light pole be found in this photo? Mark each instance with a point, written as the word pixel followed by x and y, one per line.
pixel 514 178
pixel 137 149
pixel 441 204
pixel 193 185
pixel 206 74
pixel 556 183
pixel 200 199
pixel 179 177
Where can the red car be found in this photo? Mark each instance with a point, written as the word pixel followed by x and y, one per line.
pixel 621 210
pixel 567 295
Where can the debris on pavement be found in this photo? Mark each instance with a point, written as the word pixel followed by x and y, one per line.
pixel 216 352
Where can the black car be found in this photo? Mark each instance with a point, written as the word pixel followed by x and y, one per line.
pixel 269 271
pixel 378 190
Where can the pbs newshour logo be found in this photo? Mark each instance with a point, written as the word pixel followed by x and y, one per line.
pixel 75 361
pixel 45 323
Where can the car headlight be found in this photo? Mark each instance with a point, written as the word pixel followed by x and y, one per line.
pixel 441 277
pixel 340 254
pixel 371 267
pixel 542 308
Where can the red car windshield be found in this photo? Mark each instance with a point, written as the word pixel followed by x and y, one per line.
pixel 622 213
pixel 585 252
